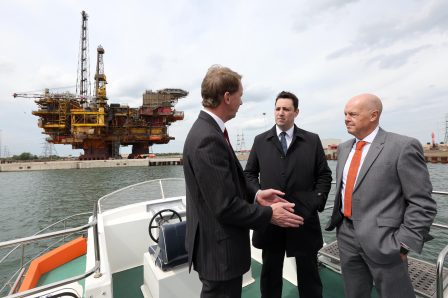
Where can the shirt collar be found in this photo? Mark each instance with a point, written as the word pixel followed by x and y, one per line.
pixel 369 139
pixel 217 119
pixel 289 132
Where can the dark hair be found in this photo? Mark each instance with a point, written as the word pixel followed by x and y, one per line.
pixel 217 81
pixel 289 95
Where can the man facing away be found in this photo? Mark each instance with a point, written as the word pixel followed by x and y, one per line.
pixel 383 206
pixel 292 160
pixel 219 210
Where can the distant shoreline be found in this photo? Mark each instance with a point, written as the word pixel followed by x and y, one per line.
pixel 431 156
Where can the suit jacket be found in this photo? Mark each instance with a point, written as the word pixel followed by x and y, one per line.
pixel 219 212
pixel 305 178
pixel 391 201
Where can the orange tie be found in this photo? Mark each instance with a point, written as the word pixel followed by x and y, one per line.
pixel 351 178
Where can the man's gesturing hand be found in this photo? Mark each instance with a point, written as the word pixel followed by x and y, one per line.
pixel 267 197
pixel 283 215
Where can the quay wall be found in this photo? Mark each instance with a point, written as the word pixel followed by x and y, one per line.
pixel 436 156
pixel 430 156
pixel 87 164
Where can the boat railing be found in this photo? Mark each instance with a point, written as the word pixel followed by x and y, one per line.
pixel 142 192
pixel 442 255
pixel 439 269
pixel 63 221
pixel 66 232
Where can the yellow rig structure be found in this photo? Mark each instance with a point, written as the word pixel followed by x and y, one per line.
pixel 99 128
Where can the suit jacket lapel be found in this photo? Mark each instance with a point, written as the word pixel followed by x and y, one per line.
pixel 272 137
pixel 297 134
pixel 212 121
pixel 343 154
pixel 375 148
pixel 203 115
pixel 234 159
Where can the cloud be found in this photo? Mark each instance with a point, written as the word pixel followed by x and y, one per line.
pixel 312 12
pixel 6 67
pixel 395 60
pixel 412 23
pixel 325 51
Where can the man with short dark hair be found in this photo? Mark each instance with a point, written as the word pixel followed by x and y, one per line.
pixel 219 210
pixel 292 160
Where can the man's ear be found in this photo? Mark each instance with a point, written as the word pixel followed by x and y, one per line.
pixel 227 97
pixel 374 116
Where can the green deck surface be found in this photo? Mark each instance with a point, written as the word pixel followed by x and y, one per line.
pixel 331 281
pixel 253 290
pixel 127 283
pixel 70 269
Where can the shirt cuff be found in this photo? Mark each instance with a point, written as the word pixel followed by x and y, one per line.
pixel 404 249
pixel 255 198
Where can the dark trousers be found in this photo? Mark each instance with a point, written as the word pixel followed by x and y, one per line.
pixel 308 279
pixel 222 289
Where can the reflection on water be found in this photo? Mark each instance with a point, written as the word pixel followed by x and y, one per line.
pixel 32 200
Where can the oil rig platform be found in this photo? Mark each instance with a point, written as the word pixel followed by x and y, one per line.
pixel 99 128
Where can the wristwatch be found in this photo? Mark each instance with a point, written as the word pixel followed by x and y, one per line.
pixel 404 250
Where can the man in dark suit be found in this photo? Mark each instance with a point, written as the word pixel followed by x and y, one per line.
pixel 219 210
pixel 383 206
pixel 292 160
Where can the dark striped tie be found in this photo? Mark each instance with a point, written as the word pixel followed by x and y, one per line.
pixel 283 142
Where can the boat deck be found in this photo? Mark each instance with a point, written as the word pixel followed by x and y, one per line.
pixel 70 269
pixel 127 284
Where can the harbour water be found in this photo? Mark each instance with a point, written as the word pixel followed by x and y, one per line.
pixel 32 200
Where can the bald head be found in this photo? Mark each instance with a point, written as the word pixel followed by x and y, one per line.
pixel 368 101
pixel 362 114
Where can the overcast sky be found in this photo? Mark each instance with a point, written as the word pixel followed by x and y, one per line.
pixel 325 51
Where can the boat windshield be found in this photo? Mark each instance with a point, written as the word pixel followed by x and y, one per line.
pixel 142 192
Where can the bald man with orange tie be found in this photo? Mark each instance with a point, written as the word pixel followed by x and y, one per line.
pixel 383 206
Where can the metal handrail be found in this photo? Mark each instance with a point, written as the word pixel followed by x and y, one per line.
pixel 96 245
pixel 109 195
pixel 439 268
pixel 62 220
pixel 16 283
pixel 97 207
pixel 44 229
pixel 25 240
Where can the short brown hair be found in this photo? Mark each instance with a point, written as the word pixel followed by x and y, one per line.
pixel 217 81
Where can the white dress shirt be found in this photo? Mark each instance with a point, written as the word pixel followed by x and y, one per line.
pixel 217 119
pixel 288 135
